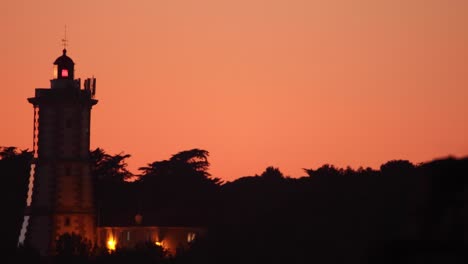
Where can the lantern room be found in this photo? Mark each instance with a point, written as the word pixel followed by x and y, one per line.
pixel 64 67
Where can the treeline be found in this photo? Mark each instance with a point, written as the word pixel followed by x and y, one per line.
pixel 400 213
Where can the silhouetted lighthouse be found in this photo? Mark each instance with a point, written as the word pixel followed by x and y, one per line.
pixel 60 197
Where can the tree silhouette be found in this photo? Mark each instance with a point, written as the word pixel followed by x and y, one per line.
pixel 109 168
pixel 114 196
pixel 191 165
pixel 72 245
pixel 399 213
pixel 72 248
pixel 14 171
pixel 325 170
pixel 180 189
pixel 272 173
pixel 24 254
pixel 142 253
pixel 397 168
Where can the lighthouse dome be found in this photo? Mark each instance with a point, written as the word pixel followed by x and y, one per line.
pixel 64 67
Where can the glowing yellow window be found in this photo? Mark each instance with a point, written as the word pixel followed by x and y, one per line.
pixel 111 244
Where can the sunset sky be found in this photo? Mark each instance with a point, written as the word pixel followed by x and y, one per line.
pixel 287 83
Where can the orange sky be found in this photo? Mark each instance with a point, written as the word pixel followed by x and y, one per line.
pixel 288 83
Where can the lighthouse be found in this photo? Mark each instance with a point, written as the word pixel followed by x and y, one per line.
pixel 60 196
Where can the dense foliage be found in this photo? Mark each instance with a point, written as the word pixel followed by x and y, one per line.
pixel 14 171
pixel 400 213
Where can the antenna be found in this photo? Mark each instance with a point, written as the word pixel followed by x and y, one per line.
pixel 65 40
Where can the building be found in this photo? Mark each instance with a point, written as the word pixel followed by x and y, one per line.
pixel 60 197
pixel 171 238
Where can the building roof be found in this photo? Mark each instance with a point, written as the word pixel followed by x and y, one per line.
pixel 64 60
pixel 126 219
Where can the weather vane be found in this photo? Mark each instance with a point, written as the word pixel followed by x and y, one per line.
pixel 65 40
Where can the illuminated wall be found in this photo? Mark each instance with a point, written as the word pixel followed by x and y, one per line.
pixel 170 238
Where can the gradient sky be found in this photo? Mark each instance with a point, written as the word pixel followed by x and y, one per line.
pixel 289 83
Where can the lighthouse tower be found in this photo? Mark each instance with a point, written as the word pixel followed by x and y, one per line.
pixel 60 198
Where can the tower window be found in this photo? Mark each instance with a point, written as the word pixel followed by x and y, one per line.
pixel 55 71
pixel 67 221
pixel 64 73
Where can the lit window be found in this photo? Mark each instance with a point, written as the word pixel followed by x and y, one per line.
pixel 160 244
pixel 128 235
pixel 111 244
pixel 64 73
pixel 190 237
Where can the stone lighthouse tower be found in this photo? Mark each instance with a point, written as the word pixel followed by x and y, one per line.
pixel 60 197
